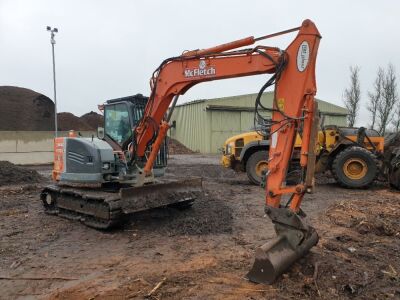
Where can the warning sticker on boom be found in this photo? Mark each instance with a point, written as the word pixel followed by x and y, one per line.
pixel 281 104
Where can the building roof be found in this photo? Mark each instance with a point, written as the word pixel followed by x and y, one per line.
pixel 246 103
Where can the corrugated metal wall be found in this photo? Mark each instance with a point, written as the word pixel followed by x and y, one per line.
pixel 204 125
pixel 192 127
pixel 335 120
pixel 223 125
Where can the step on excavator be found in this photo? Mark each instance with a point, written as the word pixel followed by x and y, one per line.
pixel 99 180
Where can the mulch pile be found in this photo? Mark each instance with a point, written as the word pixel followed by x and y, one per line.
pixel 200 220
pixel 93 119
pixel 88 122
pixel 175 147
pixel 68 121
pixel 25 110
pixel 208 171
pixel 357 256
pixel 12 174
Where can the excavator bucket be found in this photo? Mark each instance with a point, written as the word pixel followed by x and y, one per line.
pixel 294 239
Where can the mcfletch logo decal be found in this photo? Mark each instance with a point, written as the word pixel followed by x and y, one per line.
pixel 202 70
pixel 303 55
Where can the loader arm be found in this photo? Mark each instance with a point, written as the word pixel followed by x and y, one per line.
pixel 294 110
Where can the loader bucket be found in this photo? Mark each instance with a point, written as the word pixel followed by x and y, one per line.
pixel 276 256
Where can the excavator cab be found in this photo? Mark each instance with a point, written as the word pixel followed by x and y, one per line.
pixel 107 159
pixel 118 125
pixel 121 116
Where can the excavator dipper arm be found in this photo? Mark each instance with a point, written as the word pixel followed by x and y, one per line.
pixel 294 110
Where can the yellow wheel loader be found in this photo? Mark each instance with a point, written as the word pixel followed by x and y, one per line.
pixel 353 155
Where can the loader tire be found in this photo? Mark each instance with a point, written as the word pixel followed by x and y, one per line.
pixel 355 167
pixel 256 163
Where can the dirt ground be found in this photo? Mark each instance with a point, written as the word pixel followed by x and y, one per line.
pixel 203 252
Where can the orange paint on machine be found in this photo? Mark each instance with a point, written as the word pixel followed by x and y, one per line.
pixel 58 167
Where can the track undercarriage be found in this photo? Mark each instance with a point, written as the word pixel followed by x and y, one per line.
pixel 105 207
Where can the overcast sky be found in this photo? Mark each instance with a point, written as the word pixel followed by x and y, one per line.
pixel 108 49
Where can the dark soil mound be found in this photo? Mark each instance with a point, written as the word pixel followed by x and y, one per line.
pixel 198 220
pixel 93 119
pixel 175 147
pixel 88 122
pixel 24 109
pixel 12 174
pixel 68 121
pixel 208 171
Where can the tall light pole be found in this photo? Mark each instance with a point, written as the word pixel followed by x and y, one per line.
pixel 53 32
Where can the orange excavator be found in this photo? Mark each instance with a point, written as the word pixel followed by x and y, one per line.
pixel 129 156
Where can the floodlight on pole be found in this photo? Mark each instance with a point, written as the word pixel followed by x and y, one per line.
pixel 53 31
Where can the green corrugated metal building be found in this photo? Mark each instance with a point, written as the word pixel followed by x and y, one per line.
pixel 204 125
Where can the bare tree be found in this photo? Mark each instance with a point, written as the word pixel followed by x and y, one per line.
pixel 351 95
pixel 389 99
pixel 375 96
pixel 392 89
pixel 396 118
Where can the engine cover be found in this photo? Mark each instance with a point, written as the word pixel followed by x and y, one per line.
pixel 82 160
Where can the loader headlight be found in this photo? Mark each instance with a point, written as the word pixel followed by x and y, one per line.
pixel 229 148
pixel 106 166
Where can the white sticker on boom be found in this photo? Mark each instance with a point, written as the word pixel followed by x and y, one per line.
pixel 274 139
pixel 303 55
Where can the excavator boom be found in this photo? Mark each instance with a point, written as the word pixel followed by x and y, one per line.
pixel 294 111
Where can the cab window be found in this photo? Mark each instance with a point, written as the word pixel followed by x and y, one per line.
pixel 117 123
